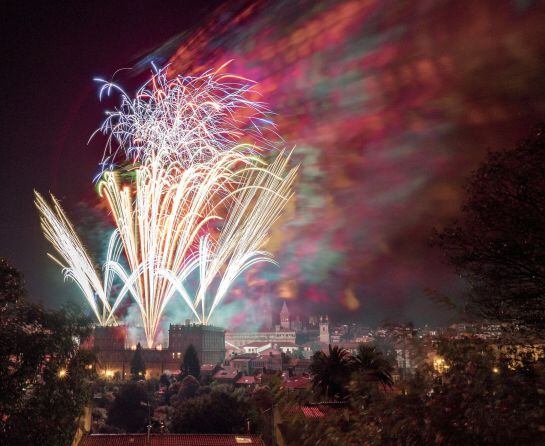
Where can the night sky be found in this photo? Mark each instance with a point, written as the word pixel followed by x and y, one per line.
pixel 390 104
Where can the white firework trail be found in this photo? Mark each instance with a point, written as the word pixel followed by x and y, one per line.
pixel 255 207
pixel 193 146
pixel 76 263
pixel 186 119
pixel 159 218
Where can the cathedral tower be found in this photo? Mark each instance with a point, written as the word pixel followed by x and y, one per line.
pixel 324 330
pixel 285 317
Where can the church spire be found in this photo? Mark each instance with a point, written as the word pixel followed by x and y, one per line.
pixel 285 317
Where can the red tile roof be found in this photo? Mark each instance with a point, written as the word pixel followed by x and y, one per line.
pixel 271 352
pixel 208 367
pixel 170 440
pixel 316 410
pixel 246 380
pixel 312 412
pixel 300 382
pixel 226 374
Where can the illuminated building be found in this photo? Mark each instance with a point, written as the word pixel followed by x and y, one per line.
pixel 114 354
pixel 239 339
pixel 209 341
pixel 285 317
pixel 324 330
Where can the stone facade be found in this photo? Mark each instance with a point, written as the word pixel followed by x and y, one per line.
pixel 239 339
pixel 114 358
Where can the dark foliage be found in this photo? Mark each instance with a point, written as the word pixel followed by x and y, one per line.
pixel 44 380
pixel 480 399
pixel 130 410
pixel 164 380
pixel 373 366
pixel 11 280
pixel 331 372
pixel 190 363
pixel 219 411
pixel 138 368
pixel 188 388
pixel 498 243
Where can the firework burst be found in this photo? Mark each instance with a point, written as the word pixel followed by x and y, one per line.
pixel 193 146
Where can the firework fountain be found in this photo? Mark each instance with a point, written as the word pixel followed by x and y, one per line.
pixel 184 156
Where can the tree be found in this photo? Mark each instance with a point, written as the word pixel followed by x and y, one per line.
pixel 43 376
pixel 372 366
pixel 479 399
pixel 188 388
pixel 220 411
pixel 138 367
pixel 11 280
pixel 130 410
pixel 164 380
pixel 498 243
pixel 331 372
pixel 190 363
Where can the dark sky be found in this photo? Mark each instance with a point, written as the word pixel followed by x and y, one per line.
pixel 50 107
pixel 391 105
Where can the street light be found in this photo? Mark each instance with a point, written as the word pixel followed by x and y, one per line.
pixel 62 373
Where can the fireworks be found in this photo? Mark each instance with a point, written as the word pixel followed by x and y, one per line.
pixel 77 264
pixel 186 120
pixel 193 147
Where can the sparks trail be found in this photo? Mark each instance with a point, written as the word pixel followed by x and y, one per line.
pixel 193 147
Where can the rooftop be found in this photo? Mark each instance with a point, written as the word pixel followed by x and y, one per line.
pixel 170 440
pixel 256 344
pixel 246 380
pixel 226 374
pixel 299 382
pixel 208 367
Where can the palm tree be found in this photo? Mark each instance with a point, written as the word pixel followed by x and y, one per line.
pixel 370 362
pixel 331 372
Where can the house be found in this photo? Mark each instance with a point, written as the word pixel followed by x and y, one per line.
pixel 242 363
pixel 297 383
pixel 270 359
pixel 170 440
pixel 247 382
pixel 285 347
pixel 296 366
pixel 209 370
pixel 229 376
pixel 256 347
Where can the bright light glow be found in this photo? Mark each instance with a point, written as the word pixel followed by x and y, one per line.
pixel 440 365
pixel 186 119
pixel 77 263
pixel 62 373
pixel 193 146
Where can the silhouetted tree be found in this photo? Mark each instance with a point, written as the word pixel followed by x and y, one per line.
pixel 164 380
pixel 188 388
pixel 190 363
pixel 138 367
pixel 219 411
pixel 130 410
pixel 478 399
pixel 44 378
pixel 11 281
pixel 331 372
pixel 372 366
pixel 498 243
